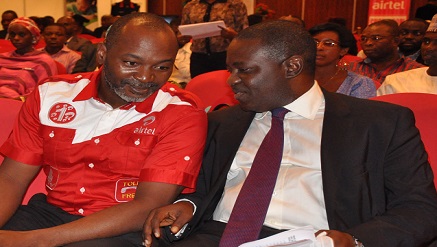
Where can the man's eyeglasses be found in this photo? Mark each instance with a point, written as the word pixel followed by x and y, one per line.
pixel 374 38
pixel 326 43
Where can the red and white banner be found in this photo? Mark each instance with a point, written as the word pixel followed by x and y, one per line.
pixel 397 10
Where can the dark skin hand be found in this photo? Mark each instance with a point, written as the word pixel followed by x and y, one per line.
pixel 174 215
pixel 227 32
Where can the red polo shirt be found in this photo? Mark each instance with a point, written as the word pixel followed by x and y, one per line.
pixel 94 156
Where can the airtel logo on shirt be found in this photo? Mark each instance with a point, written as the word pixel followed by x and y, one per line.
pixel 145 130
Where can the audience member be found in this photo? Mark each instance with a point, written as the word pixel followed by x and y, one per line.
pixel 427 11
pixel 74 42
pixel 181 69
pixel 422 80
pixel 106 22
pixel 114 144
pixel 37 21
pixel 380 41
pixel 254 19
pixel 22 69
pixel 55 38
pixel 80 20
pixel 209 54
pixel 333 42
pixel 124 7
pixel 47 20
pixel 356 170
pixel 88 51
pixel 294 19
pixel 339 20
pixel 7 17
pixel 411 35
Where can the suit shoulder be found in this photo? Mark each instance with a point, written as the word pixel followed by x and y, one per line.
pixel 367 108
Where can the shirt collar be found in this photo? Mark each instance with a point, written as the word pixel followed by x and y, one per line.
pixel 90 90
pixel 306 105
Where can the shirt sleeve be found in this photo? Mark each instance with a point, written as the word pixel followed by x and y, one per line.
pixel 177 155
pixel 25 144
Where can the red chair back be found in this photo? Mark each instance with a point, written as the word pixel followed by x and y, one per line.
pixel 213 90
pixel 9 110
pixel 6 45
pixel 424 107
pixel 61 68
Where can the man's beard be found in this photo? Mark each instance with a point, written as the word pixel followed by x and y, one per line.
pixel 120 90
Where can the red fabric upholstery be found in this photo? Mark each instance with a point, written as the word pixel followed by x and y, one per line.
pixel 212 88
pixel 61 68
pixel 9 109
pixel 6 45
pixel 424 107
pixel 97 40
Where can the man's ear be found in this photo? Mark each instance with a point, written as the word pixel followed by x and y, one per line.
pixel 101 53
pixel 293 66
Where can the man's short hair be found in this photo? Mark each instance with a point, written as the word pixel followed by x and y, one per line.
pixel 13 13
pixel 148 20
pixel 282 39
pixel 57 25
pixel 392 24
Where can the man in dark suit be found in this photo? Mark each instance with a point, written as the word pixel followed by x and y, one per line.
pixel 351 168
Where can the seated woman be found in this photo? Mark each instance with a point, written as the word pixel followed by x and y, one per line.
pixel 20 70
pixel 333 42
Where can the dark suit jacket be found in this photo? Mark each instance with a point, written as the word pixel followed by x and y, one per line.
pixel 378 184
pixel 79 44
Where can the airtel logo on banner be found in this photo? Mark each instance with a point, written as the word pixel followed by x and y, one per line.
pixel 386 5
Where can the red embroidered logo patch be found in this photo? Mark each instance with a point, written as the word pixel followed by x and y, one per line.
pixel 125 189
pixel 62 113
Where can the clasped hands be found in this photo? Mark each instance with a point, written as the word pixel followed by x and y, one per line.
pixel 178 214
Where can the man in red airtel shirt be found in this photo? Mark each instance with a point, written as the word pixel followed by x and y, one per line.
pixel 114 144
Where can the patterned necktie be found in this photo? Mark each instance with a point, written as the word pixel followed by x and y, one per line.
pixel 251 206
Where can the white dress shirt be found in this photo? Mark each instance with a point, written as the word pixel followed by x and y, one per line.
pixel 298 195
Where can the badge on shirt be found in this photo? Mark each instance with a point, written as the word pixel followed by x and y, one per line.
pixel 125 189
pixel 62 113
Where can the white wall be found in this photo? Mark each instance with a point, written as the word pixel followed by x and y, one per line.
pixel 250 4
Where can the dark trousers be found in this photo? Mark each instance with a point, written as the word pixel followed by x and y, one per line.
pixel 209 235
pixel 201 63
pixel 39 214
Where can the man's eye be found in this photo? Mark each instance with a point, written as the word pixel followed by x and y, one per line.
pixel 162 68
pixel 426 41
pixel 129 63
pixel 244 70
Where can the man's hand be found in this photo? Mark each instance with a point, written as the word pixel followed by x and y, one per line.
pixel 175 215
pixel 22 239
pixel 341 239
pixel 227 33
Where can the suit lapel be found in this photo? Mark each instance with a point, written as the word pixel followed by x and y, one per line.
pixel 334 149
